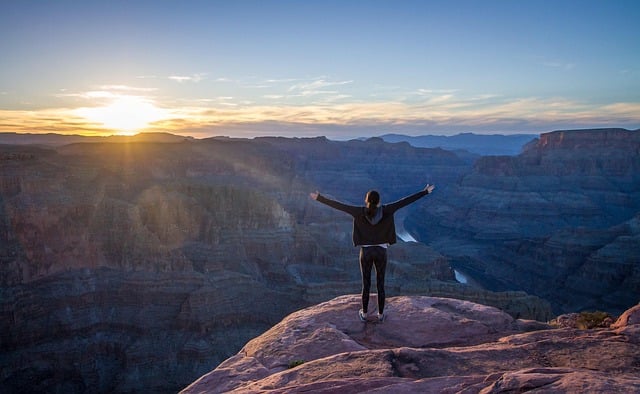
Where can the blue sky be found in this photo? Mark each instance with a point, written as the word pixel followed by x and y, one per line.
pixel 302 68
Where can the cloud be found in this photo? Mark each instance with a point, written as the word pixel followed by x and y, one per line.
pixel 88 95
pixel 431 92
pixel 282 80
pixel 188 78
pixel 316 85
pixel 526 114
pixel 105 92
pixel 178 78
pixel 60 121
pixel 423 111
pixel 127 88
pixel 302 92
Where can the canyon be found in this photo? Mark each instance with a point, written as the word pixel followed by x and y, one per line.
pixel 145 263
pixel 560 220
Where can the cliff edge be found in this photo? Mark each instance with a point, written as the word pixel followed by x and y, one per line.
pixel 429 344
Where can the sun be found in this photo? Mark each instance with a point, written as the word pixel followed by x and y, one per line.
pixel 126 114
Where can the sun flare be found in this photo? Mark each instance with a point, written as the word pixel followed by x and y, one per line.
pixel 126 114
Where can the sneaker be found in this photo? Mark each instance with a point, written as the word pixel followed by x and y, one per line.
pixel 381 317
pixel 362 314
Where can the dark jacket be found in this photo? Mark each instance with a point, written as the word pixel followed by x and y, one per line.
pixel 378 231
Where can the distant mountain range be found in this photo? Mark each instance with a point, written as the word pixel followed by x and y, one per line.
pixel 52 139
pixel 477 144
pixel 484 145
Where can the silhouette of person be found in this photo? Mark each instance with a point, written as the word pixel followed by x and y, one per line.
pixel 373 230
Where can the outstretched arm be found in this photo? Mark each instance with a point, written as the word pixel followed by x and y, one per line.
pixel 410 199
pixel 350 209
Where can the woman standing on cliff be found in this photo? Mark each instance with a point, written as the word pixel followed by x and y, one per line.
pixel 373 230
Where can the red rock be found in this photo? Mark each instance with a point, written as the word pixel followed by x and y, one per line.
pixel 628 318
pixel 427 345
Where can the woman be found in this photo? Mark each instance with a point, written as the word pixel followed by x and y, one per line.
pixel 373 230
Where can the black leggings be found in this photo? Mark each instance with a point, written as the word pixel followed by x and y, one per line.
pixel 370 256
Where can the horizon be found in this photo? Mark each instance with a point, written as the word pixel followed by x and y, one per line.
pixel 300 69
pixel 170 134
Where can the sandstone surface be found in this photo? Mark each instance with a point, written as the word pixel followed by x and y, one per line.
pixel 431 345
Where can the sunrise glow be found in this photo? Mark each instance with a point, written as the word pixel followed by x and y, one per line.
pixel 125 114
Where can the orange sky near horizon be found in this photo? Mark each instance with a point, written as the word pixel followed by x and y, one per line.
pixel 125 114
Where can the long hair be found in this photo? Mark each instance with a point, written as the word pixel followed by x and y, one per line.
pixel 372 199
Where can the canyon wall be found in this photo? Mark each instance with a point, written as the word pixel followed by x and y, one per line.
pixel 145 264
pixel 560 220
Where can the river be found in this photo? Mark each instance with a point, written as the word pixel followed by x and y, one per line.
pixel 404 235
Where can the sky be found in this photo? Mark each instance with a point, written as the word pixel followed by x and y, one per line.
pixel 342 69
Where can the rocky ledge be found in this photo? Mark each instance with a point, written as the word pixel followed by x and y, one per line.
pixel 429 344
